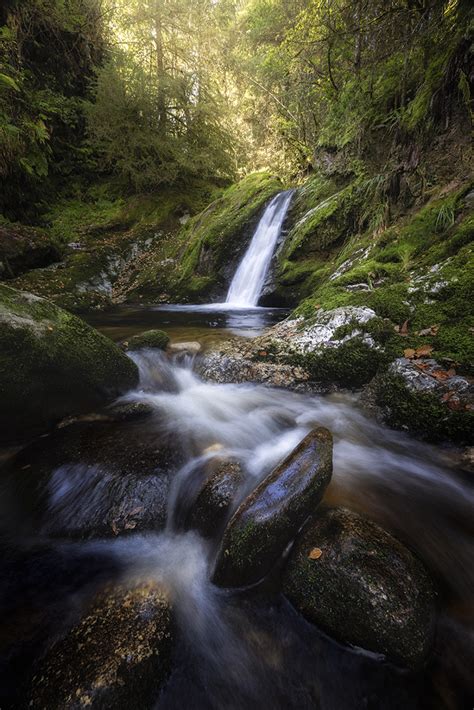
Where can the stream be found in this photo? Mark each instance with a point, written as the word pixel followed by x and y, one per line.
pixel 250 649
pixel 64 533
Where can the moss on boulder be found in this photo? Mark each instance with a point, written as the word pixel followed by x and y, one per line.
pixel 149 339
pixel 269 518
pixel 362 586
pixel 52 365
pixel 425 399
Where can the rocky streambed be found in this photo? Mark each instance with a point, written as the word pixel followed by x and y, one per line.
pixel 211 541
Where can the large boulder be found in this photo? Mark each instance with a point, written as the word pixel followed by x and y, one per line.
pixel 268 519
pixel 425 398
pixel 358 583
pixel 92 479
pixel 117 656
pixel 52 365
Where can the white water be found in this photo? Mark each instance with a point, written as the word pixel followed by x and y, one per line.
pixel 248 281
pixel 402 483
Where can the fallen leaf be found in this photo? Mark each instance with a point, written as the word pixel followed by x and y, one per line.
pixel 424 350
pixel 396 328
pixel 409 353
pixel 263 353
pixel 452 372
pixel 315 553
pixel 447 396
pixel 440 374
pixel 455 404
pixel 425 331
pixel 404 328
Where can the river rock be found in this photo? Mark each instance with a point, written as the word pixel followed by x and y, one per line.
pixel 191 348
pixel 52 365
pixel 359 584
pixel 427 399
pixel 149 339
pixel 94 479
pixel 117 656
pixel 270 517
pixel 216 497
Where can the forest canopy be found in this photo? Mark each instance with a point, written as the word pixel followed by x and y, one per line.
pixel 152 94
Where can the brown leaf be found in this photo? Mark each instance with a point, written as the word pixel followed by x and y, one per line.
pixel 409 353
pixel 404 328
pixel 455 404
pixel 440 374
pixel 315 553
pixel 452 372
pixel 263 353
pixel 424 350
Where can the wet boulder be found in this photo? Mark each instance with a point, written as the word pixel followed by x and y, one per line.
pixel 217 496
pixel 117 656
pixel 362 586
pixel 270 517
pixel 149 339
pixel 52 365
pixel 93 479
pixel 426 399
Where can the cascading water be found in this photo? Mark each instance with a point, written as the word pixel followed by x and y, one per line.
pixel 248 281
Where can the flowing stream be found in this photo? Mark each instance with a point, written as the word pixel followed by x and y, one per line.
pixel 250 649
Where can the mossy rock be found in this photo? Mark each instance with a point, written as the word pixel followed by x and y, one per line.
pixel 435 415
pixel 149 339
pixel 358 583
pixel 351 364
pixel 117 656
pixel 52 365
pixel 269 518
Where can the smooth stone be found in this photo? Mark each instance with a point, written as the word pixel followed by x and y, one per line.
pixel 53 365
pixel 362 586
pixel 94 479
pixel 149 339
pixel 270 517
pixel 214 501
pixel 118 655
pixel 191 347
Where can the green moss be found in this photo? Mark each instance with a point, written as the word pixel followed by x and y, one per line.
pixel 350 365
pixel 422 412
pixel 189 265
pixel 149 339
pixel 52 364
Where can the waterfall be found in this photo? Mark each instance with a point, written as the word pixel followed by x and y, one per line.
pixel 249 278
